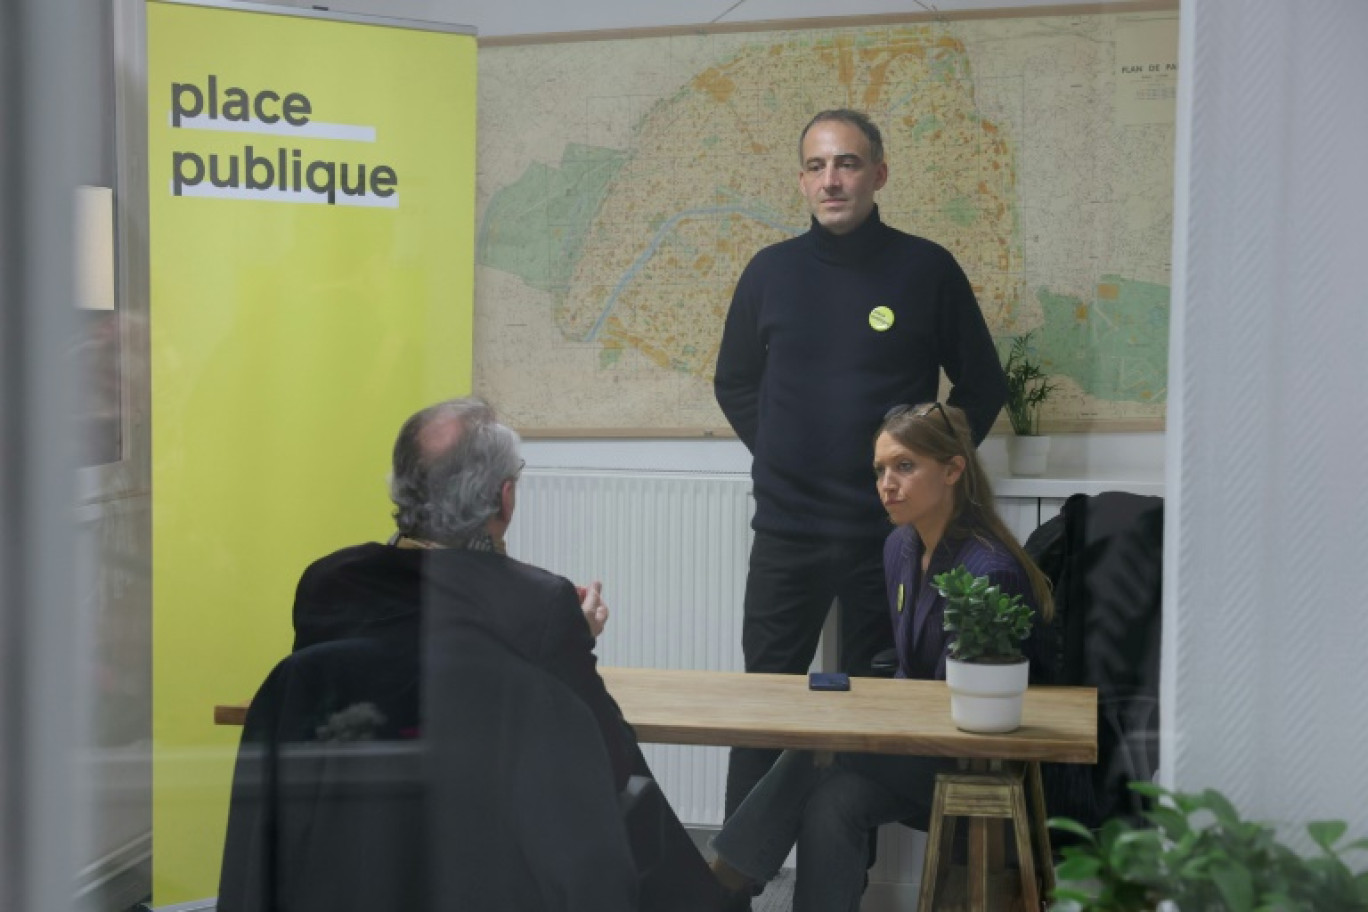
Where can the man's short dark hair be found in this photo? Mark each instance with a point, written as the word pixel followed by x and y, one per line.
pixel 445 495
pixel 857 119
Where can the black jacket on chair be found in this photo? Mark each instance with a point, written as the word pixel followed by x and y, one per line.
pixel 316 822
pixel 506 802
pixel 1104 555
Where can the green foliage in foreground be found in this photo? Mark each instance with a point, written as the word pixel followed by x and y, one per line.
pixel 1200 856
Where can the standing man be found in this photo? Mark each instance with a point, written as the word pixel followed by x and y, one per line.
pixel 826 332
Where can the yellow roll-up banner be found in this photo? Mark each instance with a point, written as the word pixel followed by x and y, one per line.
pixel 311 203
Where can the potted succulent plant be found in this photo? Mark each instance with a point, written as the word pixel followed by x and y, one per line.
pixel 1198 855
pixel 986 670
pixel 1028 387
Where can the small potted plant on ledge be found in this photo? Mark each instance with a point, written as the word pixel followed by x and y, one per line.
pixel 986 670
pixel 1027 389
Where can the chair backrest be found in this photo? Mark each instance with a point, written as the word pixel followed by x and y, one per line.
pixel 327 808
pixel 542 828
pixel 338 804
pixel 1104 555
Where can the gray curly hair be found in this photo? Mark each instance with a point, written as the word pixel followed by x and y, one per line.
pixel 445 492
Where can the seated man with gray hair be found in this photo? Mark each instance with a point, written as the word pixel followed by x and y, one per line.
pixel 454 487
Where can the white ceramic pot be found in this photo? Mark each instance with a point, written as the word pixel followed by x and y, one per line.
pixel 1027 455
pixel 986 698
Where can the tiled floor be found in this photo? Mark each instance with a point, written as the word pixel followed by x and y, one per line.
pixel 778 895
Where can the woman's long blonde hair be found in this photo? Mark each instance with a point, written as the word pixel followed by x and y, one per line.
pixel 942 433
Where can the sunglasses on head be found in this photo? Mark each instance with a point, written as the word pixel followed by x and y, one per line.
pixel 898 410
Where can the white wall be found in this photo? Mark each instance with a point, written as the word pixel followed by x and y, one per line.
pixel 49 143
pixel 1265 634
pixel 1132 457
pixel 525 17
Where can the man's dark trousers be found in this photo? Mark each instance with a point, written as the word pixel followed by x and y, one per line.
pixel 789 589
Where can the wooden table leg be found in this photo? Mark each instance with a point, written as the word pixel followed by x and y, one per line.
pixel 937 852
pixel 1021 827
pixel 978 864
pixel 997 859
pixel 947 849
pixel 1035 792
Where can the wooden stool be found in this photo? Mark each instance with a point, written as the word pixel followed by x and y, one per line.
pixel 985 796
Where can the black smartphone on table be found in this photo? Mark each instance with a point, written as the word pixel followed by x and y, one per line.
pixel 828 680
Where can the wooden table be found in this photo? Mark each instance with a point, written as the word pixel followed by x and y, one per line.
pixel 876 715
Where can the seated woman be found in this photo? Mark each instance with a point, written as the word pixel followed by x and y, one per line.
pixel 936 492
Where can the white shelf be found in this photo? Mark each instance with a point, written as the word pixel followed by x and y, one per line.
pixel 1061 486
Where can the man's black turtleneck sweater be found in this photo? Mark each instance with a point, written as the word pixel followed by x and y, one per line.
pixel 805 377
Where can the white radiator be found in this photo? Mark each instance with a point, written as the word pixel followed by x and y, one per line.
pixel 672 550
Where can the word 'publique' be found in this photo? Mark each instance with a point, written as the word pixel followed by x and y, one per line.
pixel 282 169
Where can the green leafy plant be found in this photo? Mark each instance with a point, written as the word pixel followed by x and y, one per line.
pixel 1199 855
pixel 1027 386
pixel 988 624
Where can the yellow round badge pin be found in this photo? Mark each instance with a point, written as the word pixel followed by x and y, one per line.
pixel 881 319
